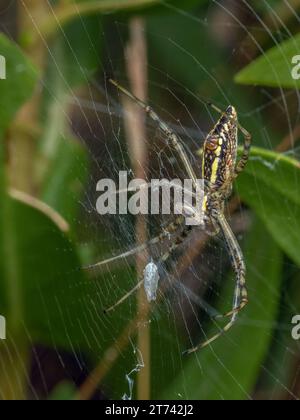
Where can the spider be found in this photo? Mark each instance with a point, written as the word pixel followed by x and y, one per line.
pixel 219 169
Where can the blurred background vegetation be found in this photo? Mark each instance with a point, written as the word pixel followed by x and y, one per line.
pixel 61 130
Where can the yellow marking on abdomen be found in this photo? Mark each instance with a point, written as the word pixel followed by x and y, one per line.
pixel 204 204
pixel 215 165
pixel 214 170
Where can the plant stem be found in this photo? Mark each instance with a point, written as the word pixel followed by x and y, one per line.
pixel 14 367
pixel 22 145
pixel 136 63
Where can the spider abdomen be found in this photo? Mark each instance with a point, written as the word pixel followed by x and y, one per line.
pixel 220 151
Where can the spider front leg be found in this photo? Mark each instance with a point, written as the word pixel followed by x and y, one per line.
pixel 246 152
pixel 173 139
pixel 240 295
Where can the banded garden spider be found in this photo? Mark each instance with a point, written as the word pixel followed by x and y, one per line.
pixel 219 169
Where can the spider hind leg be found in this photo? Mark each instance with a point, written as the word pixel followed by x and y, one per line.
pixel 240 294
pixel 214 338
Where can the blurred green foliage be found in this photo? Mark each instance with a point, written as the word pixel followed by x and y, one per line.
pixel 47 298
pixel 19 84
pixel 274 68
pixel 278 202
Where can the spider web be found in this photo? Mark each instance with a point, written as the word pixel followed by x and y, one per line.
pixel 192 287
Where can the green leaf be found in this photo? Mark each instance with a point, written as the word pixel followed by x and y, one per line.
pixel 68 12
pixel 172 43
pixel 47 296
pixel 270 186
pixel 274 68
pixel 280 362
pixel 63 164
pixel 15 90
pixel 20 80
pixel 220 371
pixel 77 52
pixel 18 86
pixel 66 178
pixel 65 391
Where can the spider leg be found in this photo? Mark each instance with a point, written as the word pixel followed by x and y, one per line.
pixel 180 239
pixel 237 259
pixel 124 298
pixel 215 229
pixel 246 151
pixel 240 294
pixel 148 185
pixel 240 300
pixel 169 230
pixel 172 137
pixel 213 339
